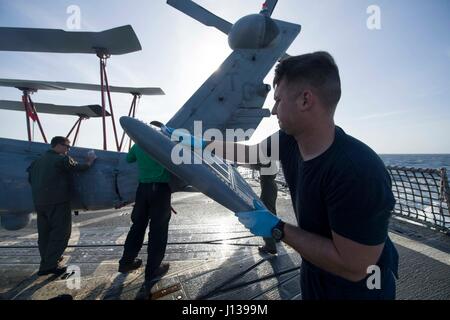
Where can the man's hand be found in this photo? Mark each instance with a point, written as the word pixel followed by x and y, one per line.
pixel 184 137
pixel 91 157
pixel 260 221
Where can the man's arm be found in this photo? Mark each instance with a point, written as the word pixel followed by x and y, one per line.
pixel 340 256
pixel 232 151
pixel 69 164
pixel 246 154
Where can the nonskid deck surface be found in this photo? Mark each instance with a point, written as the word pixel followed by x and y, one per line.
pixel 211 255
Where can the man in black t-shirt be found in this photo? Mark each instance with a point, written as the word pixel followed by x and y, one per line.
pixel 340 189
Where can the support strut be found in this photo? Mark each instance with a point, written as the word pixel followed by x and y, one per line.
pixel 76 126
pixel 131 113
pixel 30 113
pixel 104 86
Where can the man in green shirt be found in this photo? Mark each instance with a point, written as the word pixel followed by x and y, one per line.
pixel 152 207
pixel 50 179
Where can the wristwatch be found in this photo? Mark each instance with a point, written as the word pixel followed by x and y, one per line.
pixel 278 231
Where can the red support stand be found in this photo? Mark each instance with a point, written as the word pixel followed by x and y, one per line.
pixel 30 112
pixel 134 116
pixel 27 115
pixel 131 112
pixel 111 107
pixel 102 87
pixel 103 56
pixel 77 126
pixel 76 133
pixel 73 128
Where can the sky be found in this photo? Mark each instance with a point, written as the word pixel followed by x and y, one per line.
pixel 395 80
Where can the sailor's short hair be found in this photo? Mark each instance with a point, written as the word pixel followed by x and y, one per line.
pixel 317 69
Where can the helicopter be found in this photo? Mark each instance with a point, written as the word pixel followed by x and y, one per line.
pixel 231 98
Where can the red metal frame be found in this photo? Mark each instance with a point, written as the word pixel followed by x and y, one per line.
pixel 135 97
pixel 111 107
pixel 27 115
pixel 105 88
pixel 77 126
pixel 131 112
pixel 103 103
pixel 30 112
pixel 76 133
pixel 74 126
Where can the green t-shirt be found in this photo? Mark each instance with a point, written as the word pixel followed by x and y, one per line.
pixel 149 169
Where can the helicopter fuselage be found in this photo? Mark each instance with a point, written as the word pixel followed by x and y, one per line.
pixel 110 183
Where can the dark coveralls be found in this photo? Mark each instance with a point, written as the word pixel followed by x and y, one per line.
pixel 152 206
pixel 50 179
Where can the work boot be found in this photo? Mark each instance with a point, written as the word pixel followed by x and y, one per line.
pixel 60 270
pixel 145 292
pixel 125 268
pixel 158 272
pixel 267 250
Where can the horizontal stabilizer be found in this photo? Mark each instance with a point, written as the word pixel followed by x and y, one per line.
pixel 115 41
pixel 90 111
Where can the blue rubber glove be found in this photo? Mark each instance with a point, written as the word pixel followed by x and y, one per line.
pixel 167 130
pixel 184 138
pixel 260 221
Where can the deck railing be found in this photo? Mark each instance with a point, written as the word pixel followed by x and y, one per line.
pixel 422 195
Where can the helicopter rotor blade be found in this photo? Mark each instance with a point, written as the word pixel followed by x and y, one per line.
pixel 201 14
pixel 115 41
pixel 269 6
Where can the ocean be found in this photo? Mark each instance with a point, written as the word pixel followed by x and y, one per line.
pixel 430 161
pixel 419 198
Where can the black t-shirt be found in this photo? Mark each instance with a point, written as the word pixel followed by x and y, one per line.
pixel 346 189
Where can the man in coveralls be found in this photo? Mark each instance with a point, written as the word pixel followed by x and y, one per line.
pixel 50 178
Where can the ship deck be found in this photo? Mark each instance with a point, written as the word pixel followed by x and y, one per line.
pixel 212 256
